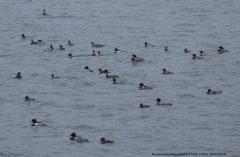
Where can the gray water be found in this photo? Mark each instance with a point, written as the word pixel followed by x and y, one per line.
pixel 90 105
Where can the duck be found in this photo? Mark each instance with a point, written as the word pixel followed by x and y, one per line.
pixel 186 51
pixel 40 42
pixel 53 76
pixel 166 72
pixel 111 76
pixel 35 123
pixel 141 86
pixel 201 53
pixel 93 54
pixel 221 49
pixel 28 99
pixel 86 67
pixel 148 45
pixel 114 82
pixel 166 49
pixel 136 59
pixel 103 141
pixel 117 50
pixel 23 36
pixel 162 103
pixel 103 71
pixel 44 12
pixel 61 48
pixel 69 43
pixel 18 75
pixel 96 45
pixel 144 106
pixel 74 137
pixel 196 57
pixel 33 42
pixel 99 53
pixel 50 48
pixel 213 92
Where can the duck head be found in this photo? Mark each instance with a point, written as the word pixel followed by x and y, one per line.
pixel 158 100
pixel 34 121
pixel 102 139
pixel 73 134
pixel 26 97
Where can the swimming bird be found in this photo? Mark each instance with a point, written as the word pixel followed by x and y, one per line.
pixel 162 103
pixel 93 54
pixel 166 49
pixel 23 36
pixel 17 75
pixel 53 76
pixel 33 42
pixel 166 72
pixel 50 48
pixel 141 86
pixel 111 76
pixel 221 49
pixel 40 42
pixel 196 57
pixel 28 99
pixel 201 53
pixel 213 92
pixel 74 137
pixel 117 50
pixel 96 45
pixel 69 43
pixel 186 51
pixel 99 53
pixel 103 141
pixel 144 106
pixel 136 59
pixel 44 12
pixel 114 82
pixel 86 67
pixel 148 45
pixel 61 48
pixel 35 123
pixel 103 71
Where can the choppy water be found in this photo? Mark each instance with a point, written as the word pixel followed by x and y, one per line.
pixel 90 105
